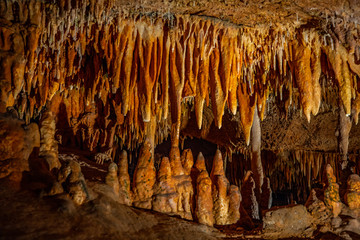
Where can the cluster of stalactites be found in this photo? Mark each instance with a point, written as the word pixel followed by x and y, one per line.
pixel 301 169
pixel 134 69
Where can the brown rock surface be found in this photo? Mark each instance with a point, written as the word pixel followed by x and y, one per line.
pixel 73 181
pixel 30 217
pixel 16 144
pixel 321 214
pixel 287 222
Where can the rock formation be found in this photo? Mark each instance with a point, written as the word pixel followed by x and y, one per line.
pixel 220 189
pixel 331 194
pixel 249 201
pixel 234 204
pixel 165 197
pixel 112 178
pixel 17 141
pixel 267 82
pixel 125 194
pixel 144 178
pixel 352 195
pixel 183 185
pixel 73 181
pixel 204 200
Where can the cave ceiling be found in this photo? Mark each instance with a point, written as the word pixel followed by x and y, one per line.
pixel 126 71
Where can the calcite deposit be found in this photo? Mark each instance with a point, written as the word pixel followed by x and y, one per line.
pixel 144 178
pixel 204 201
pixel 125 194
pixel 331 194
pixel 165 196
pixel 352 194
pixel 265 94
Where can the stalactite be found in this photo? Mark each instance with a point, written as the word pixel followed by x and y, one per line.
pixel 256 165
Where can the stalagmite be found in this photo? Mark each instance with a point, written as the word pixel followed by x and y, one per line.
pixel 125 195
pixel 203 200
pixel 71 177
pixel 187 161
pixel 266 195
pixel 249 201
pixel 144 178
pixel 220 190
pixel 48 144
pixel 234 204
pixel 165 197
pixel 112 178
pixel 331 194
pixel 183 185
pixel 352 195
